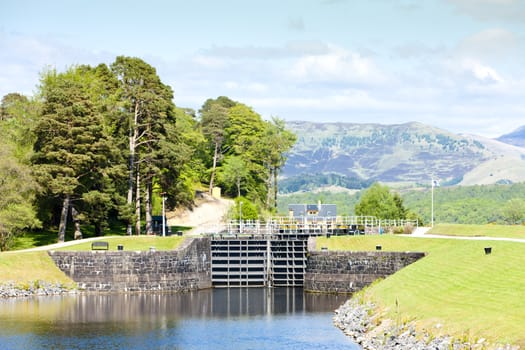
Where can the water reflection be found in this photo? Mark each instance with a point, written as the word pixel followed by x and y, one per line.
pixel 167 320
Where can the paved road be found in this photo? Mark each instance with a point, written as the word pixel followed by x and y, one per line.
pixel 421 232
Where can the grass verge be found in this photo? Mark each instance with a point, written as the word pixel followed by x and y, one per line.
pixel 26 268
pixel 134 243
pixel 456 289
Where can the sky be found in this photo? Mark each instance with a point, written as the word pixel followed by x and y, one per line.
pixel 454 64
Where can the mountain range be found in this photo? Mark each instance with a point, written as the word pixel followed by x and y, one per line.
pixel 411 153
pixel 516 138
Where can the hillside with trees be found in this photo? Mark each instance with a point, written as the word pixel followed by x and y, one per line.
pixel 358 154
pixel 102 145
pixel 479 204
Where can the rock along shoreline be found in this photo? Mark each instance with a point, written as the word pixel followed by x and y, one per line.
pixel 35 288
pixel 366 328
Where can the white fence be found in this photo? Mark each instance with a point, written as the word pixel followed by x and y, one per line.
pixel 311 226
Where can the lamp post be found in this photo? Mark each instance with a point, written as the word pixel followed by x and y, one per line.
pixel 163 214
pixel 432 209
pixel 434 184
pixel 240 217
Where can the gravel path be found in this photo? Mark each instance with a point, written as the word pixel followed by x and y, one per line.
pixel 208 217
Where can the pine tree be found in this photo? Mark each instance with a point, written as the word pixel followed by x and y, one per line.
pixel 148 108
pixel 71 148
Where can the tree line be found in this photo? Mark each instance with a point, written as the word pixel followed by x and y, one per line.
pixel 103 144
pixel 310 182
pixel 479 204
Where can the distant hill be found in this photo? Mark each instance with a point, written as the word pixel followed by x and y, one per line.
pixel 407 153
pixel 516 138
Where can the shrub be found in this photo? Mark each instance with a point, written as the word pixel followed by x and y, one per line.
pixel 408 229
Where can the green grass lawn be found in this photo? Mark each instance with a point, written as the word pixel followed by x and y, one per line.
pixel 514 231
pixel 133 243
pixel 26 268
pixel 472 295
pixel 49 236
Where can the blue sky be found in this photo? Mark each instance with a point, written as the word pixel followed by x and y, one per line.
pixel 455 64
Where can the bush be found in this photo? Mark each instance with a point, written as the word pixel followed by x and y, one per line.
pixel 408 229
pixel 398 230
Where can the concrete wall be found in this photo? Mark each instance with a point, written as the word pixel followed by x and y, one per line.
pixel 184 269
pixel 349 272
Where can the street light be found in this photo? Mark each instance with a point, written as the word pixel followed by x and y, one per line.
pixel 163 214
pixel 435 183
pixel 240 217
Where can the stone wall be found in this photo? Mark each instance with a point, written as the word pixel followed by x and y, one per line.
pixel 349 272
pixel 184 269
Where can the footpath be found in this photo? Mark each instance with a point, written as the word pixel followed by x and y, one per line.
pixel 421 232
pixel 55 245
pixel 208 216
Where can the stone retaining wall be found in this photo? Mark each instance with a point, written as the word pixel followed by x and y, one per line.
pixel 184 269
pixel 349 272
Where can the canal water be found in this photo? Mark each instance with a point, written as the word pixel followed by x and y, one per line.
pixel 233 319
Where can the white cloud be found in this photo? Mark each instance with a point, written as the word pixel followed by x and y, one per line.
pixel 23 58
pixel 448 87
pixel 339 66
pixel 463 87
pixel 482 72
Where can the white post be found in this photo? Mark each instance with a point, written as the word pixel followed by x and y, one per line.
pixel 240 217
pixel 432 209
pixel 163 215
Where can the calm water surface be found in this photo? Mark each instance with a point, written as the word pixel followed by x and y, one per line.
pixel 255 318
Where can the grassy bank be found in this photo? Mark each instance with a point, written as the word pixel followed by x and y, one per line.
pixel 456 289
pixel 25 268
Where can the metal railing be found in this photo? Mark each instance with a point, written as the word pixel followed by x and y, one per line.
pixel 310 226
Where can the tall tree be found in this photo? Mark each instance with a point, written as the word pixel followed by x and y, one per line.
pixel 214 120
pixel 245 133
pixel 279 141
pixel 379 202
pixel 148 106
pixel 233 173
pixel 184 158
pixel 17 185
pixel 71 147
pixel 239 135
pixel 18 190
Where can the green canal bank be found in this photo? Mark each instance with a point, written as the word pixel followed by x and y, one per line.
pixel 456 289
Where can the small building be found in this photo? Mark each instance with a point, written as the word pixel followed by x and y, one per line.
pixel 312 210
pixel 156 223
